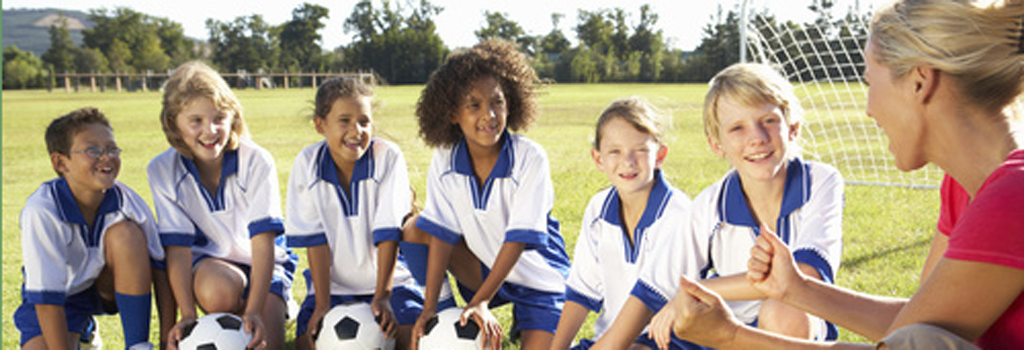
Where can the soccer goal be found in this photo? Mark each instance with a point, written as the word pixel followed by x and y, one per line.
pixel 824 60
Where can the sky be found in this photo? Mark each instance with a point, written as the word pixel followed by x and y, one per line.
pixel 681 20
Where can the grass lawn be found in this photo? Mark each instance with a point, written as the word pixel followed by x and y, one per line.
pixel 887 229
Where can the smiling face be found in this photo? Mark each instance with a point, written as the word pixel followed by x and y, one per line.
pixel 82 172
pixel 347 128
pixel 627 156
pixel 482 115
pixel 889 102
pixel 205 129
pixel 755 139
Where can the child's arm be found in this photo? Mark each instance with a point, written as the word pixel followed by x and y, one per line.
pixel 259 285
pixel 627 326
pixel 179 273
pixel 738 287
pixel 706 320
pixel 387 254
pixel 437 263
pixel 573 316
pixel 319 259
pixel 54 327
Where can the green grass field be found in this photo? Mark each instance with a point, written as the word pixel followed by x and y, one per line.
pixel 887 230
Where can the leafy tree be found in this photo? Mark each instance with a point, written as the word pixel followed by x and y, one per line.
pixel 21 69
pixel 300 37
pixel 401 46
pixel 649 43
pixel 555 42
pixel 90 60
pixel 60 55
pixel 718 49
pixel 119 56
pixel 499 26
pixel 140 34
pixel 245 43
pixel 594 30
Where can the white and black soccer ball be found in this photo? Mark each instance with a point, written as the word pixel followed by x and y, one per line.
pixel 351 327
pixel 443 332
pixel 217 331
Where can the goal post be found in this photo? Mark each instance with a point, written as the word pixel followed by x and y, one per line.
pixel 824 61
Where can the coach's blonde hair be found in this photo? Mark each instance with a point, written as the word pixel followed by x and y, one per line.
pixel 751 84
pixel 977 43
pixel 635 111
pixel 194 80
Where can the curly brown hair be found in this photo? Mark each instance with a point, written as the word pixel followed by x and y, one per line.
pixel 448 86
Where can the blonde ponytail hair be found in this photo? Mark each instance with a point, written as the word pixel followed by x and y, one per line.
pixel 977 42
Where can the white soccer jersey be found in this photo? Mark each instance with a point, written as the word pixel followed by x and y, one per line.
pixel 605 263
pixel 513 205
pixel 220 224
pixel 351 224
pixel 62 254
pixel 810 222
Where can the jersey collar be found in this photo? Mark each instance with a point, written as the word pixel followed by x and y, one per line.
pixel 660 192
pixel 462 164
pixel 229 166
pixel 326 170
pixel 68 208
pixel 733 207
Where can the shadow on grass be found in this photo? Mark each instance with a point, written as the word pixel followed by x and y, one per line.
pixel 857 261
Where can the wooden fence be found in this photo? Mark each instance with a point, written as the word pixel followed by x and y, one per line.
pixel 149 81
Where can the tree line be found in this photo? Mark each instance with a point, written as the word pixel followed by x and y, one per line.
pixel 397 41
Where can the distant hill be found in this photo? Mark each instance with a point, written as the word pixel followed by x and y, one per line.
pixel 28 29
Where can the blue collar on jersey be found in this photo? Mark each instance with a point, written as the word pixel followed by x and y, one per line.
pixel 363 170
pixel 69 212
pixel 229 166
pixel 733 207
pixel 326 170
pixel 462 164
pixel 661 191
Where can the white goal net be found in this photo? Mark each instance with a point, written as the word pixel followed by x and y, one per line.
pixel 824 62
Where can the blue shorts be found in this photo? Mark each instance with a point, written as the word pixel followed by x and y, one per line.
pixel 645 340
pixel 531 309
pixel 280 280
pixel 78 312
pixel 406 302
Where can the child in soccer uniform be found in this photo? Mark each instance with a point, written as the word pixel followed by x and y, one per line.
pixel 347 198
pixel 219 209
pixel 489 196
pixel 621 223
pixel 88 242
pixel 752 118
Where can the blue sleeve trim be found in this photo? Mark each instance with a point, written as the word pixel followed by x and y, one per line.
pixel 577 297
pixel 438 231
pixel 811 257
pixel 533 239
pixel 312 240
pixel 177 239
pixel 648 296
pixel 46 297
pixel 387 234
pixel 275 225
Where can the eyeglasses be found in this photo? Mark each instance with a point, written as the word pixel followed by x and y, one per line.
pixel 97 152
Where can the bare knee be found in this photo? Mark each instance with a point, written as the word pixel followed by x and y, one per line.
pixel 777 317
pixel 125 239
pixel 218 286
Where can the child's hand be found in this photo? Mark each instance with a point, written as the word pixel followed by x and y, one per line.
pixel 385 317
pixel 771 269
pixel 419 328
pixel 253 325
pixel 660 328
pixel 487 322
pixel 703 317
pixel 314 320
pixel 175 334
